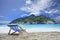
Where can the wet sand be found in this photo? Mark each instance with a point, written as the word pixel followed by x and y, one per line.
pixel 32 36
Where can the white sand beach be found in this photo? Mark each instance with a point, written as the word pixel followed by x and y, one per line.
pixel 32 36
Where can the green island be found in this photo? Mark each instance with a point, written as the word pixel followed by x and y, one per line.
pixel 32 19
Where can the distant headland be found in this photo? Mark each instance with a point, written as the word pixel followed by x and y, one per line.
pixel 32 19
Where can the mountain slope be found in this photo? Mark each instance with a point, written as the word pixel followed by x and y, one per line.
pixel 34 20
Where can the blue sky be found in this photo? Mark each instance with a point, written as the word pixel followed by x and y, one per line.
pixel 9 9
pixel 13 9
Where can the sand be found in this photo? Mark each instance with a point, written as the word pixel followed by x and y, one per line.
pixel 32 36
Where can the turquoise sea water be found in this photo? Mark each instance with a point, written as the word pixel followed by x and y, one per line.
pixel 40 25
pixel 35 25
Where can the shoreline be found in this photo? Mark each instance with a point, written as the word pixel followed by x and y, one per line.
pixel 30 30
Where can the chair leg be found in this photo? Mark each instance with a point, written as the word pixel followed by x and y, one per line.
pixel 12 33
pixel 9 32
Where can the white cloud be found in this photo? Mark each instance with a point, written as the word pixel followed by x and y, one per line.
pixel 24 15
pixel 1 16
pixel 5 22
pixel 57 11
pixel 52 11
pixel 35 8
pixel 57 19
pixel 28 2
pixel 13 9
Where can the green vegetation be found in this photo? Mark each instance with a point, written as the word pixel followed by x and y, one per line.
pixel 34 20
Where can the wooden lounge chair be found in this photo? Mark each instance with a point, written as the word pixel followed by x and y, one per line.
pixel 16 28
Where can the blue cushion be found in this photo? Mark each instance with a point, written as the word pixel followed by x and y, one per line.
pixel 16 29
